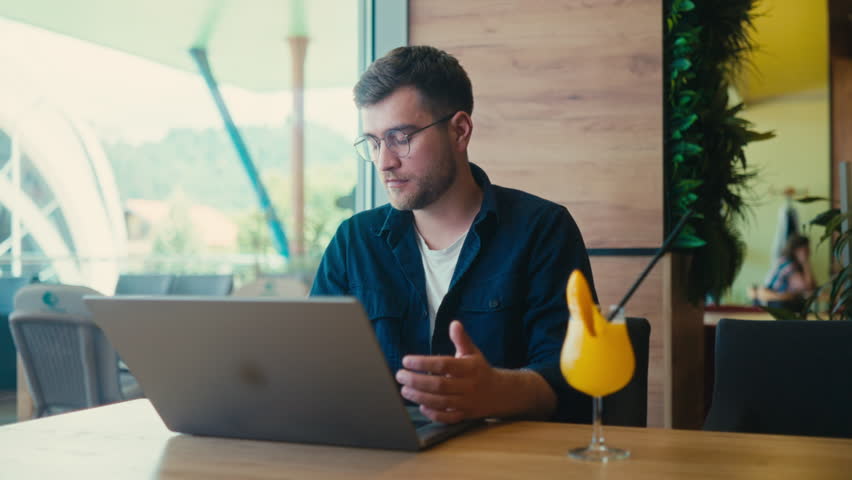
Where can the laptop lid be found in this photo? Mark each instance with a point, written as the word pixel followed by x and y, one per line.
pixel 307 370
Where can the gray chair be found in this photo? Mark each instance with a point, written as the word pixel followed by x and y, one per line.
pixel 68 362
pixel 629 406
pixel 143 284
pixel 202 285
pixel 783 377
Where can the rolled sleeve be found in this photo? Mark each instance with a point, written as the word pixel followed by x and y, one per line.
pixel 558 250
pixel 331 278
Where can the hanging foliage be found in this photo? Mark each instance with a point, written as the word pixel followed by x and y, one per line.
pixel 705 47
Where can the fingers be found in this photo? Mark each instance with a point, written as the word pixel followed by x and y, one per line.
pixel 462 341
pixel 439 365
pixel 441 398
pixel 446 392
pixel 433 383
pixel 432 400
pixel 443 416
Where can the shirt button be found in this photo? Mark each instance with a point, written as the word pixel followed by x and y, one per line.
pixel 494 303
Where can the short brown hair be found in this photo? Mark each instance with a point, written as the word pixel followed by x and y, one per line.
pixel 794 242
pixel 443 84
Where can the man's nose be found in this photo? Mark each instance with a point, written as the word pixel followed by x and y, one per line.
pixel 386 159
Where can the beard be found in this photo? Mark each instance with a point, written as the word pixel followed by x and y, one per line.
pixel 428 188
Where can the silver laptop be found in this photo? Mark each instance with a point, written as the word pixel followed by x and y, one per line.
pixel 306 370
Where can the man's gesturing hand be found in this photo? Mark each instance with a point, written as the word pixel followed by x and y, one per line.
pixel 455 388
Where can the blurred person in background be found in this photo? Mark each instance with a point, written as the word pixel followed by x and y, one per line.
pixel 791 280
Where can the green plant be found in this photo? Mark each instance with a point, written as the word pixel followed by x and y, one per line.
pixel 705 46
pixel 838 288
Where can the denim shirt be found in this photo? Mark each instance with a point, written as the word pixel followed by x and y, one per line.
pixel 508 287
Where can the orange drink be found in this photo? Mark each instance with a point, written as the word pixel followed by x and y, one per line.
pixel 597 359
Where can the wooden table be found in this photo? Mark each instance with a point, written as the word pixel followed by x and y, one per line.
pixel 129 441
pixel 712 318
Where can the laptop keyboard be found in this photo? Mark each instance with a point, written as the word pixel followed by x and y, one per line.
pixel 420 423
pixel 417 418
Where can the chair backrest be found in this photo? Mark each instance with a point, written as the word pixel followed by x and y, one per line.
pixel 202 285
pixel 275 286
pixel 143 284
pixel 68 362
pixel 629 406
pixel 783 377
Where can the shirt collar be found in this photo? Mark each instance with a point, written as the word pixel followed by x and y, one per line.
pixel 489 196
pixel 397 221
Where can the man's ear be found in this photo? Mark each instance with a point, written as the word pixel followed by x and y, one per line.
pixel 461 128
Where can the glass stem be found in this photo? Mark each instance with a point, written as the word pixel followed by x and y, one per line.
pixel 597 425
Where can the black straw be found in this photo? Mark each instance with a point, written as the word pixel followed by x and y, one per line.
pixel 647 270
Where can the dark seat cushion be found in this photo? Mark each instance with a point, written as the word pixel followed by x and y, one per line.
pixel 791 377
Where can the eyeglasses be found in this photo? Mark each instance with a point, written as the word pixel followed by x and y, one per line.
pixel 396 140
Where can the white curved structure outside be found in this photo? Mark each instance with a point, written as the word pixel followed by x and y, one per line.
pixel 68 158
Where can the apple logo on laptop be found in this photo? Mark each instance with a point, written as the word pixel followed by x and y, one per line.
pixel 253 375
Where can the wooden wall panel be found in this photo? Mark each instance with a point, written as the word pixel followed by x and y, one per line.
pixel 568 103
pixel 840 61
pixel 683 356
pixel 613 276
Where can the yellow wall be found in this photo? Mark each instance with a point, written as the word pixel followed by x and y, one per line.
pixel 786 90
pixel 792 49
pixel 797 157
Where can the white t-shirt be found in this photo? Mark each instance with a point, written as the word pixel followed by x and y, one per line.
pixel 439 266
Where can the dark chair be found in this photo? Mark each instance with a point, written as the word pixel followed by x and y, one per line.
pixel 629 406
pixel 275 286
pixel 202 285
pixel 792 377
pixel 9 286
pixel 143 284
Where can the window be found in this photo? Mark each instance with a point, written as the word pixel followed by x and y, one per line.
pixel 114 157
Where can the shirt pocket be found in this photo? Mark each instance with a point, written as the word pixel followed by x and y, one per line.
pixel 386 312
pixel 490 297
pixel 492 314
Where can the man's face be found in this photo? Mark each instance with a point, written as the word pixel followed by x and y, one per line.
pixel 416 180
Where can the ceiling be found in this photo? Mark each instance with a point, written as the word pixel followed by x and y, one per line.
pixel 792 50
pixel 245 39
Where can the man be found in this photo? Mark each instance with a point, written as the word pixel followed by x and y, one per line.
pixel 464 281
